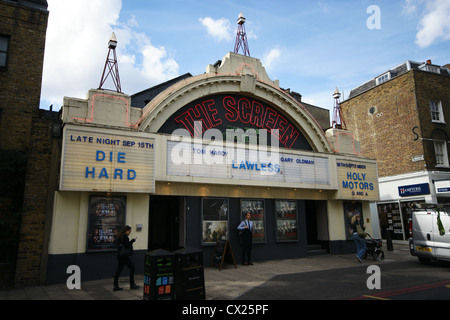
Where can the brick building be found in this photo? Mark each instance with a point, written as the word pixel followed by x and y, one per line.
pixel 401 118
pixel 25 141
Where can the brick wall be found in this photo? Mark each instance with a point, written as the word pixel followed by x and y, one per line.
pixel 430 86
pixel 386 119
pixel 41 180
pixel 20 87
pixel 22 129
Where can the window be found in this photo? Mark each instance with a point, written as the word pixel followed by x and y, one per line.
pixel 430 68
pixel 436 111
pixel 440 149
pixel 383 78
pixel 4 46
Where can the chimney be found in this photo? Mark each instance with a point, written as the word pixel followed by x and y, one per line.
pixel 428 61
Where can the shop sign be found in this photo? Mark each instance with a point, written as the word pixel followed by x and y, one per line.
pixel 414 190
pixel 357 180
pixel 196 160
pixel 102 160
pixel 442 186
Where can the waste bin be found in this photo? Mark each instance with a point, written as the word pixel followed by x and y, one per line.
pixel 189 275
pixel 159 275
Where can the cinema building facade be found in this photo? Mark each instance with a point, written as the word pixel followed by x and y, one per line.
pixel 183 170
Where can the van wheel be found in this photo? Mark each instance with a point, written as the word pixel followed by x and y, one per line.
pixel 424 260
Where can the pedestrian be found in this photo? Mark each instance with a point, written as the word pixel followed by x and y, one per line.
pixel 124 251
pixel 246 226
pixel 359 241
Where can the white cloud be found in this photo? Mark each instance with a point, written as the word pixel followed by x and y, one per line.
pixel 219 30
pixel 409 7
pixel 77 46
pixel 435 24
pixel 271 58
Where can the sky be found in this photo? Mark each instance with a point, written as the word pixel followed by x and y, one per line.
pixel 312 47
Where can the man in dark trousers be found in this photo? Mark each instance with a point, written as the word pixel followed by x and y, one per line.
pixel 246 227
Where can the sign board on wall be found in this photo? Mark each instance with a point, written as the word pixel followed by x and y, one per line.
pixel 102 160
pixel 414 190
pixel 228 111
pixel 185 159
pixel 442 186
pixel 357 180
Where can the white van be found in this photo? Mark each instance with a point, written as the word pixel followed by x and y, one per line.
pixel 428 241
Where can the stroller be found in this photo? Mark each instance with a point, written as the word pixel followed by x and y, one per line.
pixel 373 248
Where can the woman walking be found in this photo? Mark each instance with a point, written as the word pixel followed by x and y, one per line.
pixel 124 251
pixel 359 242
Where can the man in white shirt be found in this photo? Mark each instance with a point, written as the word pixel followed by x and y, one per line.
pixel 246 227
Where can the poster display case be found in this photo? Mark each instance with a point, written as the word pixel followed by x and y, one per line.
pixel 286 217
pixel 257 211
pixel 214 220
pixel 105 218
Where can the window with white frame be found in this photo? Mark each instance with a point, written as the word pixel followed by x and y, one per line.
pixel 383 78
pixel 440 150
pixel 436 111
pixel 430 68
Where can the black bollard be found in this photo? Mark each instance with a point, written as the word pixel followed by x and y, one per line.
pixel 389 245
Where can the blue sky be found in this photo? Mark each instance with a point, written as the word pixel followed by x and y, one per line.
pixel 311 47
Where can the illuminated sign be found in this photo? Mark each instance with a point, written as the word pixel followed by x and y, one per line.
pixel 357 180
pixel 234 111
pixel 99 160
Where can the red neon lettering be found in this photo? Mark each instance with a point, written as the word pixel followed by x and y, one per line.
pixel 212 113
pixel 245 110
pixel 258 113
pixel 229 104
pixel 184 119
pixel 199 114
pixel 279 124
pixel 191 118
pixel 204 116
pixel 289 136
pixel 270 119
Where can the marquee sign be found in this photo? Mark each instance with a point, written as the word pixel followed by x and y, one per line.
pixel 357 180
pixel 192 160
pixel 232 111
pixel 99 160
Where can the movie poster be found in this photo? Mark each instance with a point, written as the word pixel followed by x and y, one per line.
pixel 106 217
pixel 214 220
pixel 256 209
pixel 286 215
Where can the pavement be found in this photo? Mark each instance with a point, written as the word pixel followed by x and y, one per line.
pixel 229 283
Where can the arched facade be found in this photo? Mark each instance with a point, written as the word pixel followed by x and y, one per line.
pixel 122 164
pixel 157 112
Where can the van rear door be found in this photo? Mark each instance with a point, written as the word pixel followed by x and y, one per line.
pixel 422 232
pixel 442 242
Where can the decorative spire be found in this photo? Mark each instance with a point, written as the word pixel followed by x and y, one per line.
pixel 241 37
pixel 111 66
pixel 338 117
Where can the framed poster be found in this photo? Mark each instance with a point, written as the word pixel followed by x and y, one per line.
pixel 256 209
pixel 351 210
pixel 105 218
pixel 214 220
pixel 286 217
